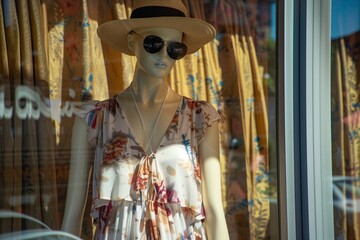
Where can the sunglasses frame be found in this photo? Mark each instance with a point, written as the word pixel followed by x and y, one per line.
pixel 168 45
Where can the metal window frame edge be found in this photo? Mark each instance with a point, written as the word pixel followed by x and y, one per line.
pixel 285 115
pixel 318 120
pixel 304 148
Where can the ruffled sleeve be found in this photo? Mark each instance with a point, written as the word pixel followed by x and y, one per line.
pixel 92 114
pixel 205 115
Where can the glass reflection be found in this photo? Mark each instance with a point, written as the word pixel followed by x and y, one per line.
pixel 51 61
pixel 345 100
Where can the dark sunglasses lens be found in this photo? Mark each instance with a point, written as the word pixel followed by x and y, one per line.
pixel 153 44
pixel 176 50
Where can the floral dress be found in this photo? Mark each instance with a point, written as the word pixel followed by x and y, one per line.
pixel 139 196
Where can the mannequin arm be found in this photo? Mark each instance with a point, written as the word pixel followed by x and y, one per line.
pixel 78 179
pixel 215 223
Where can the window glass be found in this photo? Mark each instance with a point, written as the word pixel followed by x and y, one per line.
pixel 52 62
pixel 345 100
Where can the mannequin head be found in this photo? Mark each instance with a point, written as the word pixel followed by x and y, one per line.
pixel 169 14
pixel 159 64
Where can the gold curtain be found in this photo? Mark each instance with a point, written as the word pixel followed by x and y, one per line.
pixel 248 204
pixel 346 135
pixel 28 183
pixel 69 57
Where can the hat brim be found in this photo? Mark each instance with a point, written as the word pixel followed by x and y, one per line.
pixel 196 32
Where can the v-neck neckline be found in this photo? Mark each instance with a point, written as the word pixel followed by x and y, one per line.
pixel 132 133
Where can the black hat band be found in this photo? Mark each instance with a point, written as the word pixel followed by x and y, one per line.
pixel 156 11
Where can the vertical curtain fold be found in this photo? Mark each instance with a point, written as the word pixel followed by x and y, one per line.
pixel 45 127
pixel 254 121
pixel 13 165
pixel 7 170
pixel 29 154
pixel 28 151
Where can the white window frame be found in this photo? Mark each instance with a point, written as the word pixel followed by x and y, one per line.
pixel 304 120
pixel 318 120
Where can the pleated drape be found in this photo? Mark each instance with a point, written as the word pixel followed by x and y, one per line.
pixel 250 217
pixel 346 136
pixel 28 145
pixel 8 170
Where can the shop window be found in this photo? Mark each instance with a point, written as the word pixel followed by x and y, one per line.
pixel 52 61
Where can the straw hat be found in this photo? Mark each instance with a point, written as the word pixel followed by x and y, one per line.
pixel 157 13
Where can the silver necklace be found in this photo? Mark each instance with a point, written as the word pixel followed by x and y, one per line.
pixel 142 121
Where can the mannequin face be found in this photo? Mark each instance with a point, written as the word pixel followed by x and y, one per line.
pixel 156 65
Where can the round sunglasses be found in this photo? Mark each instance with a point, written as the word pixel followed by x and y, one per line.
pixel 153 44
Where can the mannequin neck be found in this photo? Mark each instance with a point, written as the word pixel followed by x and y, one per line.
pixel 148 89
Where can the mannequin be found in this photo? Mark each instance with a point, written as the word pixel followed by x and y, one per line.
pixel 148 105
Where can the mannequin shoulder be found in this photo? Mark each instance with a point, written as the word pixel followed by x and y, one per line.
pixel 200 106
pixel 88 110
